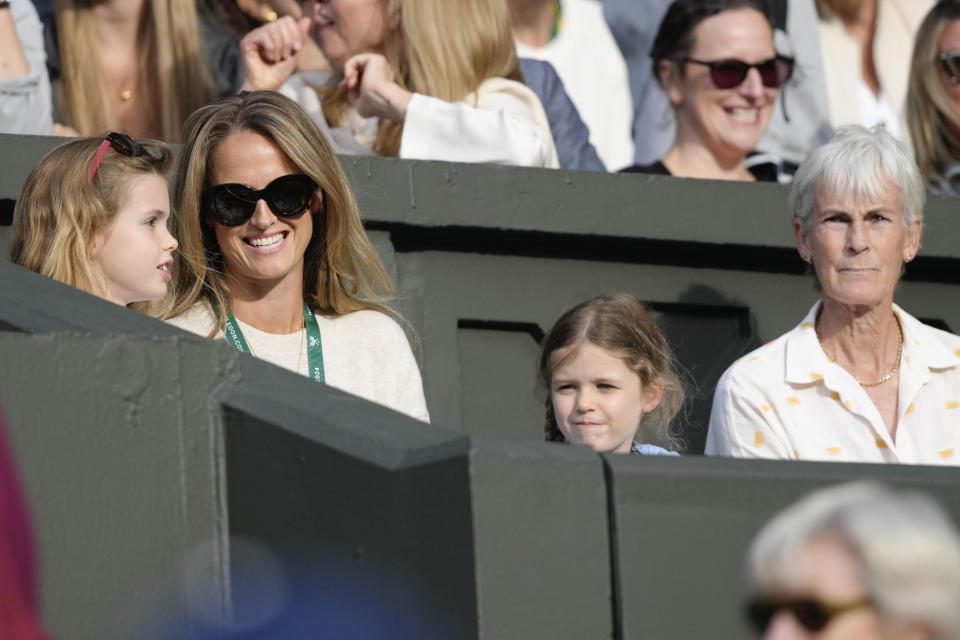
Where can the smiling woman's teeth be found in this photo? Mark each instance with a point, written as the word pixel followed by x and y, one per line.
pixel 744 115
pixel 269 241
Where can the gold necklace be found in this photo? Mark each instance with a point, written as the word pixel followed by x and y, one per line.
pixel 889 374
pixel 303 333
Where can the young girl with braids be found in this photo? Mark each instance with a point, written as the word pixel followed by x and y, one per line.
pixel 610 379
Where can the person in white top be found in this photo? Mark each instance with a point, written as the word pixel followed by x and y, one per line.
pixel 866 48
pixel 417 79
pixel 859 380
pixel 274 255
pixel 573 36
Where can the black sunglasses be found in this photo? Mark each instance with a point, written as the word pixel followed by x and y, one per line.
pixel 951 64
pixel 811 614
pixel 730 73
pixel 122 143
pixel 288 196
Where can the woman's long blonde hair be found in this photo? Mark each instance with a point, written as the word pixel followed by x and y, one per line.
pixel 444 49
pixel 341 271
pixel 931 117
pixel 61 207
pixel 172 68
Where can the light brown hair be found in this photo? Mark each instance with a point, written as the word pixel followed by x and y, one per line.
pixel 931 117
pixel 61 207
pixel 172 68
pixel 341 272
pixel 621 324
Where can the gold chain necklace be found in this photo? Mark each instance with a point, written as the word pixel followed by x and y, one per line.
pixel 889 374
pixel 303 333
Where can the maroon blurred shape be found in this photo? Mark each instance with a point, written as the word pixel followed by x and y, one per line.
pixel 18 592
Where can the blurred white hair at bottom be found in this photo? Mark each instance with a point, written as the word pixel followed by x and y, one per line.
pixel 907 548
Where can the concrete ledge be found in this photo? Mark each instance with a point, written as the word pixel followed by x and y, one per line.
pixel 682 528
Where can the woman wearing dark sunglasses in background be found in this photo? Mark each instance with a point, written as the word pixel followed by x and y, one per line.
pixel 857 562
pixel 275 257
pixel 716 61
pixel 933 98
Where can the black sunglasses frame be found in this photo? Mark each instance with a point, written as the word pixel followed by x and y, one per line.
pixel 123 144
pixel 810 613
pixel 219 199
pixel 950 61
pixel 780 66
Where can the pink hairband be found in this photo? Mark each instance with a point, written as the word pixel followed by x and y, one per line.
pixel 119 141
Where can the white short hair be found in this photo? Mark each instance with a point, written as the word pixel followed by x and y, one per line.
pixel 907 548
pixel 858 161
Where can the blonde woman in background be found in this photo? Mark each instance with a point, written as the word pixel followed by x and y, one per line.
pixel 412 78
pixel 275 257
pixel 140 66
pixel 933 100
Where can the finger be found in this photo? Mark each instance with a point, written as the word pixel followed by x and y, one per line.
pixel 350 68
pixel 261 42
pixel 292 38
pixel 304 25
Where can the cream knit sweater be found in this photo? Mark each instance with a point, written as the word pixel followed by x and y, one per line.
pixel 365 353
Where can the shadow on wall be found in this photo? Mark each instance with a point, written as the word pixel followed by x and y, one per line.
pixel 707 332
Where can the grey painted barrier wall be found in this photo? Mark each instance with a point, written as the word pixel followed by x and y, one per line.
pixel 161 467
pixel 144 510
pixel 175 480
pixel 485 258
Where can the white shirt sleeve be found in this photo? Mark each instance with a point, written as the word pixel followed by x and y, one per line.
pixel 508 125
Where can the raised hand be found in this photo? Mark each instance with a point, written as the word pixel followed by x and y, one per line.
pixel 369 81
pixel 270 53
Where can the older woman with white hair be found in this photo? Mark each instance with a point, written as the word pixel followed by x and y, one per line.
pixel 857 562
pixel 859 379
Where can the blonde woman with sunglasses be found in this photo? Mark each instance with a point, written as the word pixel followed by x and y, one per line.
pixel 275 258
pixel 716 62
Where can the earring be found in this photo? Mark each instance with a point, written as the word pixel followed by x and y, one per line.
pixel 908 258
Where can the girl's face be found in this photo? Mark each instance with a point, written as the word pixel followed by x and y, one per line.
pixel 133 254
pixel 266 249
pixel 598 401
pixel 344 28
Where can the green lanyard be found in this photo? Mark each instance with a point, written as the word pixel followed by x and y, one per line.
pixel 231 329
